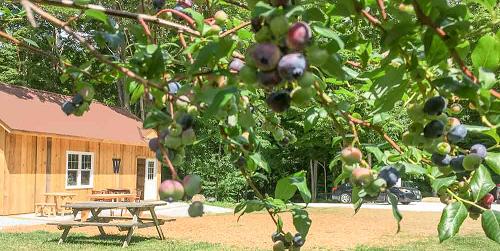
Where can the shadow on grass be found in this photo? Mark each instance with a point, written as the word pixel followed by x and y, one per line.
pixel 107 240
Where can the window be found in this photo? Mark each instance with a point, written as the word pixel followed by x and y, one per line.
pixel 151 170
pixel 79 170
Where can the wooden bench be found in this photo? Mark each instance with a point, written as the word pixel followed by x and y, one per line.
pixel 40 207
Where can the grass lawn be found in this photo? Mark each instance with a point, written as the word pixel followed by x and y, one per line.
pixel 222 204
pixel 42 240
pixel 472 242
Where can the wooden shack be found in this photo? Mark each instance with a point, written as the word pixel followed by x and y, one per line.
pixel 43 150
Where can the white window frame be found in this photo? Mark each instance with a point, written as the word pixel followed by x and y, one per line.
pixel 79 175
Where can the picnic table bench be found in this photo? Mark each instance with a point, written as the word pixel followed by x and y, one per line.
pixel 129 224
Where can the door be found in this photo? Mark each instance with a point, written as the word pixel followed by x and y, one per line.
pixel 141 176
pixel 150 182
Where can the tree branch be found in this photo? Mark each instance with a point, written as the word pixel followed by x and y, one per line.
pixel 235 3
pixel 239 27
pixel 120 13
pixel 381 6
pixel 92 49
pixel 427 21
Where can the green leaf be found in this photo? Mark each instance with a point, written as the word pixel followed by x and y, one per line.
pixel 97 15
pixel 413 168
pixel 328 33
pixel 220 100
pixel 314 14
pixel 82 2
pixel 341 177
pixel 490 220
pixel 284 189
pixel 442 182
pixel 488 4
pixel 379 155
pixel 393 199
pixel 239 207
pixel 389 89
pixel 435 49
pixel 31 42
pixel 300 181
pixel 493 162
pixel 197 17
pixel 481 183
pixel 452 218
pixel 301 221
pixel 486 53
pixel 357 205
pixel 155 118
pixel 246 119
pixel 251 206
pixel 487 78
pixel 312 117
pixel 137 94
pixel 260 162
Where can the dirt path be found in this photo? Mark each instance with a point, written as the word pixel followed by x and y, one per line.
pixel 333 228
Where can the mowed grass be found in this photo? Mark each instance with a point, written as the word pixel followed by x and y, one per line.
pixel 42 240
pixel 472 242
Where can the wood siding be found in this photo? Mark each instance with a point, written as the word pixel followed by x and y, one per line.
pixel 26 176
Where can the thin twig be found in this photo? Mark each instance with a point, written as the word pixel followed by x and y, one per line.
pixel 235 29
pixel 235 3
pixel 381 6
pixel 186 18
pixel 119 13
pixel 93 50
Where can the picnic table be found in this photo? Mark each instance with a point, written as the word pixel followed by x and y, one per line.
pixel 59 198
pixel 129 224
pixel 116 197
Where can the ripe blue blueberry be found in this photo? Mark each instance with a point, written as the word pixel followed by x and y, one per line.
pixel 441 160
pixel 269 78
pixel 279 101
pixel 435 105
pixel 457 164
pixel 277 236
pixel 77 100
pixel 186 121
pixel 390 175
pixel 457 134
pixel 154 144
pixel 236 65
pixel 68 108
pixel 266 56
pixel 298 241
pixel 292 66
pixel 173 87
pixel 479 150
pixel 158 4
pixel 434 129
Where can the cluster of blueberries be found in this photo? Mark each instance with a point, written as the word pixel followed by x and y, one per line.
pixel 174 190
pixel 281 57
pixel 175 137
pixel 440 137
pixel 371 182
pixel 282 241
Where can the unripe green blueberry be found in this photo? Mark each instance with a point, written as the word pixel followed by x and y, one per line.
pixel 443 148
pixel 188 137
pixel 416 112
pixel 279 25
pixel 472 162
pixel 279 246
pixel 220 17
pixel 173 141
pixel 307 80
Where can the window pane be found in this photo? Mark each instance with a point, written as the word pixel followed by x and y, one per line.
pixel 72 161
pixel 72 178
pixel 86 162
pixel 85 178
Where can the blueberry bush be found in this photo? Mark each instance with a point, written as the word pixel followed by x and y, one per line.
pixel 246 66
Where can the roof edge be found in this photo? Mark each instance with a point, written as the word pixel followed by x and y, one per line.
pixel 71 137
pixel 5 126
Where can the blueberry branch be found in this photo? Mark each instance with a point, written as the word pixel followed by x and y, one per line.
pixel 427 21
pixel 235 29
pixel 119 13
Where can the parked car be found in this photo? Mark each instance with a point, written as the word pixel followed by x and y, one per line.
pixel 406 195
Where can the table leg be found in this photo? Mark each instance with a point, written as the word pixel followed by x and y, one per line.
pixel 157 224
pixel 64 235
pixel 129 236
pixel 95 217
